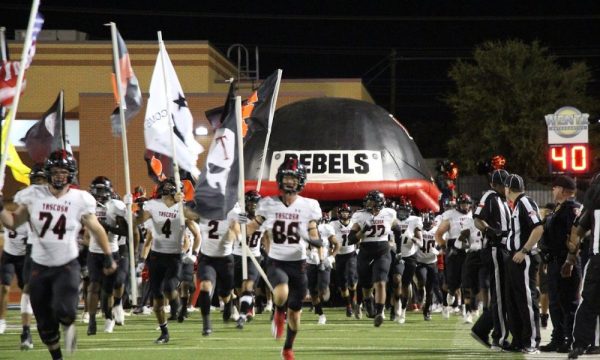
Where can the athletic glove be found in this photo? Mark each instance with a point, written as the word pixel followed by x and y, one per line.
pixel 493 235
pixel 243 218
pixel 189 259
pixel 328 262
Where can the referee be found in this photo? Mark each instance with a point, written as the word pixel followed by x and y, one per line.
pixel 522 267
pixel 589 308
pixel 492 217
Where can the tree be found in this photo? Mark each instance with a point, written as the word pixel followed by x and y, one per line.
pixel 500 101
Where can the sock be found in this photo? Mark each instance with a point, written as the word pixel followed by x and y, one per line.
pixel 245 303
pixel 352 296
pixel 56 354
pixel 92 317
pixel 468 308
pixel 204 299
pixel 379 308
pixel 319 309
pixel 26 329
pixel 117 301
pixel 289 338
pixel 174 303
pixel 184 303
pixel 163 328
pixel 450 299
pixel 404 301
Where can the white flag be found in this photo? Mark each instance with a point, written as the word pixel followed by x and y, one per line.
pixel 156 123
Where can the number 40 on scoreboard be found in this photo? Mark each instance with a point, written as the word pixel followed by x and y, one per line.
pixel 568 158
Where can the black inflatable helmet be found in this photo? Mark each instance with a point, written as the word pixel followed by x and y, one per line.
pixel 374 201
pixel 64 160
pixel 101 189
pixel 291 166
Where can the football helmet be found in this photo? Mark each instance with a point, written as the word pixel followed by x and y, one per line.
pixel 252 198
pixel 374 201
pixel 464 203
pixel 101 189
pixel 344 211
pixel 167 187
pixel 403 208
pixel 61 159
pixel 292 167
pixel 325 217
pixel 37 173
pixel 428 220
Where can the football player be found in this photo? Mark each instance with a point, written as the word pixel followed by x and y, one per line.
pixel 245 287
pixel 290 221
pixel 454 221
pixel 372 228
pixel 426 256
pixel 345 268
pixel 111 215
pixel 164 259
pixel 56 213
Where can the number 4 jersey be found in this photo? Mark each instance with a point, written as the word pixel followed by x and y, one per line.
pixel 287 226
pixel 167 232
pixel 55 222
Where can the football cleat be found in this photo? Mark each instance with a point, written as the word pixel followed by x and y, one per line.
pixel 357 311
pixel 278 324
pixel 574 354
pixel 287 354
pixel 402 316
pixel 26 341
pixel 2 326
pixel 70 334
pixel 85 317
pixel 92 328
pixel 119 315
pixel 109 326
pixel 468 318
pixel 349 311
pixel 322 320
pixel 531 351
pixel 240 323
pixel 162 339
pixel 378 320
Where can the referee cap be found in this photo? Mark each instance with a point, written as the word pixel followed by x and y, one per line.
pixel 565 182
pixel 515 183
pixel 499 177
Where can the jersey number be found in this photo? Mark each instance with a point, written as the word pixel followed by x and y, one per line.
pixel 427 246
pixel 214 226
pixel 344 239
pixel 59 228
pixel 281 234
pixel 253 240
pixel 373 229
pixel 166 229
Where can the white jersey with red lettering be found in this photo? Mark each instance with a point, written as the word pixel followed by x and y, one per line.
pixel 341 233
pixel 108 213
pixel 55 222
pixel 326 231
pixel 217 241
pixel 18 200
pixel 287 226
pixel 408 247
pixel 458 222
pixel 427 254
pixel 252 241
pixel 15 241
pixel 475 239
pixel 167 232
pixel 375 228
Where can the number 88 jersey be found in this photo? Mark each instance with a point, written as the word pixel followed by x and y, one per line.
pixel 287 226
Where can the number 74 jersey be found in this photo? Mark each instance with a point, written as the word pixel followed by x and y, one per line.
pixel 55 222
pixel 287 226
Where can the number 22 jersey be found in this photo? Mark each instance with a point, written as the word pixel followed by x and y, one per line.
pixel 287 226
pixel 55 222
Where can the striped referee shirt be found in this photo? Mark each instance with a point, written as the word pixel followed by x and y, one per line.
pixel 524 218
pixel 494 210
pixel 590 219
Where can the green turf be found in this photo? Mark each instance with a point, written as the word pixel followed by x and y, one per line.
pixel 341 338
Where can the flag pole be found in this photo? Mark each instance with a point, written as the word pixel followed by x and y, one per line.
pixel 271 114
pixel 13 114
pixel 242 199
pixel 128 196
pixel 171 121
pixel 3 44
pixel 60 116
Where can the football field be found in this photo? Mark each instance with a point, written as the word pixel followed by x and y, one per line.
pixel 341 338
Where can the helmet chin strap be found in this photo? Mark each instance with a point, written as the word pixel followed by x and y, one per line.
pixel 58 186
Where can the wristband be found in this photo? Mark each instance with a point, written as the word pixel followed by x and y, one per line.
pixel 195 253
pixel 108 260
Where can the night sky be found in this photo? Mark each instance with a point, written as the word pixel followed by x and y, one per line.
pixel 348 39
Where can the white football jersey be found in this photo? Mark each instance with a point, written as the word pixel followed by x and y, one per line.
pixel 167 232
pixel 55 223
pixel 216 242
pixel 253 242
pixel 15 242
pixel 108 213
pixel 458 222
pixel 427 254
pixel 18 200
pixel 287 226
pixel 476 238
pixel 341 233
pixel 380 226
pixel 326 231
pixel 408 247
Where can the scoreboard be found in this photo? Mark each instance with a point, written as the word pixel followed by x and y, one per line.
pixel 568 158
pixel 568 149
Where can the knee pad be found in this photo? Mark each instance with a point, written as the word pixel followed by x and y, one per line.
pixel 295 305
